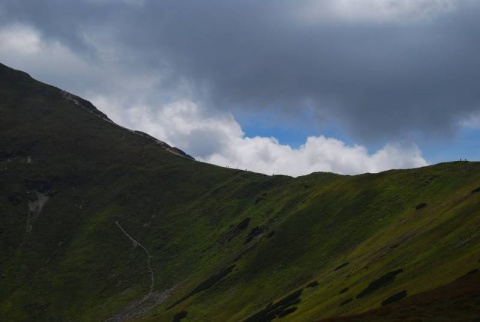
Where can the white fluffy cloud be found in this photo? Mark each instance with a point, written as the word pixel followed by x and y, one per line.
pixel 217 138
pixel 266 155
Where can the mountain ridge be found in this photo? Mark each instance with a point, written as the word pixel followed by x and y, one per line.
pixel 77 101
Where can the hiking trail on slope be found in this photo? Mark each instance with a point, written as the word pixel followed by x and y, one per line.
pixel 135 243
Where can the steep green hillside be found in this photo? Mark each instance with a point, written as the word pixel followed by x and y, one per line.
pixel 456 301
pixel 101 223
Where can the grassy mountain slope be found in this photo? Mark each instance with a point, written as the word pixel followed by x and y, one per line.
pixel 456 301
pixel 101 223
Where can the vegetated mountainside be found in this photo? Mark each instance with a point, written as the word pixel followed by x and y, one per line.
pixel 456 301
pixel 101 223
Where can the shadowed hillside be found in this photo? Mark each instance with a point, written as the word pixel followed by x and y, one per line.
pixel 456 301
pixel 98 222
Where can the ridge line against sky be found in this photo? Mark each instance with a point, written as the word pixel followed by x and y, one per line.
pixel 282 87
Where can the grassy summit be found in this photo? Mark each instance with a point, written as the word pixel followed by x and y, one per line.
pixel 101 223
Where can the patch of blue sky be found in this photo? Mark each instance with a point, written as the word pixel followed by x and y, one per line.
pixel 288 128
pixel 464 145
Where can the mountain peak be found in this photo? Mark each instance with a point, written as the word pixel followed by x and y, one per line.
pixel 18 82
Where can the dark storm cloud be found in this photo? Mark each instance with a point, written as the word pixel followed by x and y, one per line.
pixel 377 78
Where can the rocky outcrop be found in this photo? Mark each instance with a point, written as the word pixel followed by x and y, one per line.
pixel 35 208
pixel 80 102
pixel 164 145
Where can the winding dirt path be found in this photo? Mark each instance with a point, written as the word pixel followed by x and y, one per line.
pixel 152 278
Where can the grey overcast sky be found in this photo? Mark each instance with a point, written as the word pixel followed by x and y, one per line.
pixel 276 86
